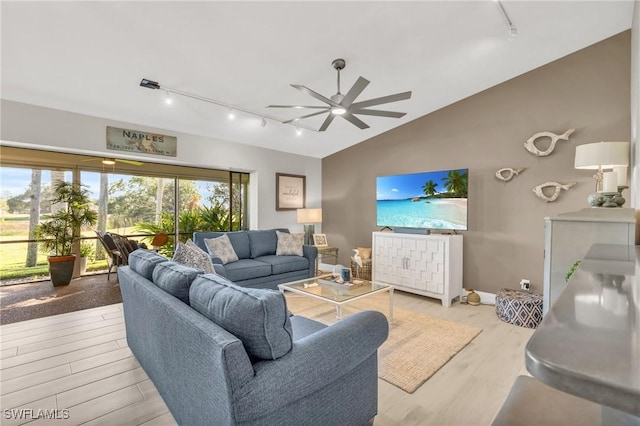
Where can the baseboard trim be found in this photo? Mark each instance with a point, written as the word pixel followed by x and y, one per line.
pixel 486 298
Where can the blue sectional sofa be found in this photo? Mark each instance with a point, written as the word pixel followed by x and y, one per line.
pixel 257 265
pixel 223 354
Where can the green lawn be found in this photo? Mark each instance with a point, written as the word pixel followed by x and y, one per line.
pixel 13 256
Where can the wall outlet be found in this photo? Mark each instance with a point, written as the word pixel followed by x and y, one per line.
pixel 525 284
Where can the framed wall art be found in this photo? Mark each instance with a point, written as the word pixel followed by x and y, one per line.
pixel 290 191
pixel 320 240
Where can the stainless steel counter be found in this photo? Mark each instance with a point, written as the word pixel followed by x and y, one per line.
pixel 588 344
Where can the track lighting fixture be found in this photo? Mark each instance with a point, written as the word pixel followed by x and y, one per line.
pixel 298 131
pixel 232 109
pixel 167 98
pixel 513 31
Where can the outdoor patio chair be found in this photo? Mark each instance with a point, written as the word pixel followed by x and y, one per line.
pixel 115 256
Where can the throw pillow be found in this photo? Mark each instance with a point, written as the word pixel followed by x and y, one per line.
pixel 289 244
pixel 365 253
pixel 258 317
pixel 221 248
pixel 189 254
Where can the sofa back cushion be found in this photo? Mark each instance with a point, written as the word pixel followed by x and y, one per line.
pixel 144 262
pixel 175 279
pixel 239 241
pixel 265 242
pixel 258 317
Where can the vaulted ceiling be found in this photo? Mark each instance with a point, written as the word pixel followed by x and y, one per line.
pixel 89 57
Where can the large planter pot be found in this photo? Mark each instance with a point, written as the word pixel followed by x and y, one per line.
pixel 61 269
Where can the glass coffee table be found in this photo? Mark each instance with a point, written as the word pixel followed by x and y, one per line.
pixel 322 288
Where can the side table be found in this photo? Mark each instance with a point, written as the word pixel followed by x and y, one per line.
pixel 326 252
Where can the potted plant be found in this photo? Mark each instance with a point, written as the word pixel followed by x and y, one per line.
pixel 86 252
pixel 62 230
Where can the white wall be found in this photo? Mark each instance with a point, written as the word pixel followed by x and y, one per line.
pixel 36 127
pixel 635 107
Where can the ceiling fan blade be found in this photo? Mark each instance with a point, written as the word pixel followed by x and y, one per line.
pixel 354 120
pixel 305 116
pixel 316 95
pixel 355 90
pixel 326 123
pixel 133 162
pixel 379 113
pixel 383 100
pixel 295 106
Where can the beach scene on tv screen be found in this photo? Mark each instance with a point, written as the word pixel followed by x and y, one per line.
pixel 434 200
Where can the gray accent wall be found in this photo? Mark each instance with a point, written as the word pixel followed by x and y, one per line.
pixel 588 90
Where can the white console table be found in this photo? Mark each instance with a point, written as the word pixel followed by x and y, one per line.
pixel 429 265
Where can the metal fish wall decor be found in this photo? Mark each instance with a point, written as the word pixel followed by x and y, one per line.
pixel 539 190
pixel 507 173
pixel 530 146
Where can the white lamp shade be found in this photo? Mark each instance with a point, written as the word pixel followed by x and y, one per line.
pixel 593 156
pixel 309 215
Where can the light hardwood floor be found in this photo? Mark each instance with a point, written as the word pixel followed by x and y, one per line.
pixel 79 364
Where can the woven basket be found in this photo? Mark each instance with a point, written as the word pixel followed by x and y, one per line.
pixel 361 272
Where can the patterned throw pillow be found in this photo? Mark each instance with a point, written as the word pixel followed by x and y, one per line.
pixel 289 244
pixel 189 254
pixel 221 248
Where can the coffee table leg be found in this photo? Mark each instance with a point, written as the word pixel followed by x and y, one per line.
pixel 391 305
pixel 339 312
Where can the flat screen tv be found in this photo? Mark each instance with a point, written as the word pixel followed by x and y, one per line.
pixel 429 200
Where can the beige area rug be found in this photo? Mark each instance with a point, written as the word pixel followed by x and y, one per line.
pixel 418 344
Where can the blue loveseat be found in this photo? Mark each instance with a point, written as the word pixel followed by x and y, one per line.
pixel 229 355
pixel 257 265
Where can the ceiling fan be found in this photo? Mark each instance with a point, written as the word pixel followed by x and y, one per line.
pixel 344 105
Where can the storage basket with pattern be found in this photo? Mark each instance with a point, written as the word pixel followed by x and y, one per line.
pixel 361 272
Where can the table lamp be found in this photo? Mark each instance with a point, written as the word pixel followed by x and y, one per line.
pixel 609 185
pixel 308 217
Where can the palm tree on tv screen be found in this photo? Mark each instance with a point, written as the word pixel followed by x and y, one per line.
pixel 456 183
pixel 429 188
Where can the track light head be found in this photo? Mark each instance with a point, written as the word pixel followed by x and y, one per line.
pixel 263 123
pixel 298 131
pixel 167 98
pixel 231 115
pixel 149 84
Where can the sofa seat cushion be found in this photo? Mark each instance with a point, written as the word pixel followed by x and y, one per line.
pixel 258 317
pixel 246 269
pixel 144 262
pixel 175 279
pixel 284 264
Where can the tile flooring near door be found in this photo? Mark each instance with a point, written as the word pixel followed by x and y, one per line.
pixel 78 368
